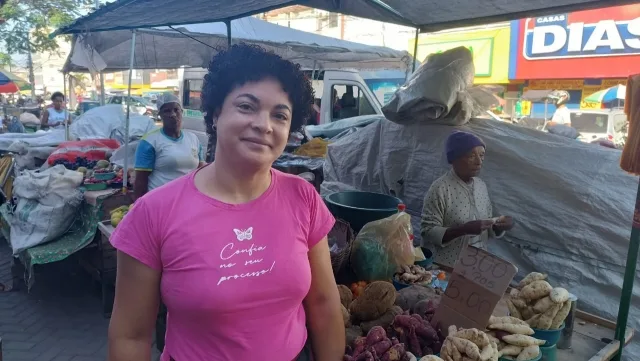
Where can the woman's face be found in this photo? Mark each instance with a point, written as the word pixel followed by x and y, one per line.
pixel 470 164
pixel 57 102
pixel 254 123
pixel 171 116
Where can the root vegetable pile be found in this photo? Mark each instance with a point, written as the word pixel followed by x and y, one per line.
pixel 469 344
pixel 513 337
pixel 538 303
pixel 376 347
pixel 413 274
pixel 416 332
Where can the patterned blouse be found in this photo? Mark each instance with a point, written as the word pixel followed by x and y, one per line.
pixel 452 202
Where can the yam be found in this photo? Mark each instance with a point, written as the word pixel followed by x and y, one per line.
pixel 353 333
pixel 506 319
pixel 385 320
pixel 559 295
pixel 533 321
pixel 456 354
pixel 527 312
pixel 518 302
pixel 529 353
pixel 376 335
pixel 561 316
pixel 522 340
pixel 513 310
pixel 535 290
pixel 531 277
pixel 511 350
pixel 346 317
pixel 466 347
pixel 431 358
pixel 511 328
pixel 345 295
pixel 474 335
pixel 375 300
pixel 543 304
pixel 547 318
pixel 486 353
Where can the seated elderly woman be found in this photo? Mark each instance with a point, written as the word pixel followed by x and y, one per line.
pixel 457 211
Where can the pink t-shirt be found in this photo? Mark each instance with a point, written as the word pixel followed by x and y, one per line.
pixel 233 276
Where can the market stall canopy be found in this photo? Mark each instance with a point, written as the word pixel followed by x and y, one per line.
pixel 428 15
pixel 11 83
pixel 194 46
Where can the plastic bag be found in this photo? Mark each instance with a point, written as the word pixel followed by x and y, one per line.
pixel 382 246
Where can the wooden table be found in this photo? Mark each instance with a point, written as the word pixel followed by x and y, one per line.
pixel 592 338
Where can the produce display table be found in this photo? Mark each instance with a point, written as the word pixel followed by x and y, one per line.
pixel 592 338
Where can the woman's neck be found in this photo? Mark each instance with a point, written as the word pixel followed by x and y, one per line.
pixel 232 184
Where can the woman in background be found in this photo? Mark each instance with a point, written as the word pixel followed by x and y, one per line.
pixel 457 211
pixel 168 153
pixel 55 115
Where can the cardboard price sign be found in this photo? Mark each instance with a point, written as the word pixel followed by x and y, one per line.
pixel 476 286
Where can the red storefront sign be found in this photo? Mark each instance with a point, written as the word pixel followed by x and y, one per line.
pixel 603 43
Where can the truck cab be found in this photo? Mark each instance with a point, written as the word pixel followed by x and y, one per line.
pixel 340 94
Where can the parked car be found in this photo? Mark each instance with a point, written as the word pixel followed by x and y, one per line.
pixel 139 105
pixel 85 106
pixel 609 124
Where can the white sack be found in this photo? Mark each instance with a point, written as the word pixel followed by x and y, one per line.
pixel 109 121
pixel 47 203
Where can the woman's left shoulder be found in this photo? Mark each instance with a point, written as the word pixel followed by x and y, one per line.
pixel 294 185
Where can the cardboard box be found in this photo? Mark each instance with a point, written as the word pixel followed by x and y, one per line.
pixel 478 282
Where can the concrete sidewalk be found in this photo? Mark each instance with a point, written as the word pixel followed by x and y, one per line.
pixel 60 319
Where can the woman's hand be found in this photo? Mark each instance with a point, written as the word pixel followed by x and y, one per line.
pixel 477 227
pixel 504 223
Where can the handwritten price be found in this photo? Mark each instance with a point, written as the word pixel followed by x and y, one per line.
pixel 471 300
pixel 482 268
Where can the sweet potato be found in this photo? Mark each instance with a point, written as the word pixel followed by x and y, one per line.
pixel 359 346
pixel 347 358
pixel 527 312
pixel 486 353
pixel 543 304
pixel 431 358
pixel 466 347
pixel 535 290
pixel 531 277
pixel 474 335
pixel 385 320
pixel 375 300
pixel 559 295
pixel 529 353
pixel 424 307
pixel 506 319
pixel 422 328
pixel 522 340
pixel 346 296
pixel 533 321
pixel 414 342
pixel 381 347
pixel 500 334
pixel 365 356
pixel 513 310
pixel 510 350
pixel 511 328
pixel 561 316
pixel 547 318
pixel 375 335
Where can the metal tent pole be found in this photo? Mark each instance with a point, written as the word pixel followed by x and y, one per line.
pixel 66 98
pixel 125 175
pixel 228 24
pixel 629 277
pixel 415 50
pixel 102 99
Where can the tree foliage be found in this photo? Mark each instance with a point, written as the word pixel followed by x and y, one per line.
pixel 28 23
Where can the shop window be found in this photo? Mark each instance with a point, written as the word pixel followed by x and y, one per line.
pixel 349 101
pixel 586 122
pixel 191 94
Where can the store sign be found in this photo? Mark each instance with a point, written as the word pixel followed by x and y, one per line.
pixel 481 49
pixel 555 37
pixel 588 90
pixel 478 282
pixel 544 84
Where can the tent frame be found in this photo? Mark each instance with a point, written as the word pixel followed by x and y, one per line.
pixel 634 242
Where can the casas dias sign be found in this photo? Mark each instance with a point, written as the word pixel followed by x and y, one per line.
pixel 560 36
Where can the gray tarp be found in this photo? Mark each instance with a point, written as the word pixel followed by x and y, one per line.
pixel 571 201
pixel 165 48
pixel 428 15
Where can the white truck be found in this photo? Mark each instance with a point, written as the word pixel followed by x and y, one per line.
pixel 340 94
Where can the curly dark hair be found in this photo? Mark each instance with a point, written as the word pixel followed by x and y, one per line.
pixel 57 94
pixel 243 63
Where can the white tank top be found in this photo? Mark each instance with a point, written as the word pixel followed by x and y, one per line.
pixel 55 116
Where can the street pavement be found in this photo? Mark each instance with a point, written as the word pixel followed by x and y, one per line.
pixel 60 319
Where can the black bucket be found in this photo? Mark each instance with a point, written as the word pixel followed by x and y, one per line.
pixel 360 208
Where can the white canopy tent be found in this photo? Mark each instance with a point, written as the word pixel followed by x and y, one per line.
pixel 194 46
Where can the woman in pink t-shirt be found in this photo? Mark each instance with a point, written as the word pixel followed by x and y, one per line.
pixel 237 251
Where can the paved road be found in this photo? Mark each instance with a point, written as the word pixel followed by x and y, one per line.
pixel 59 320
